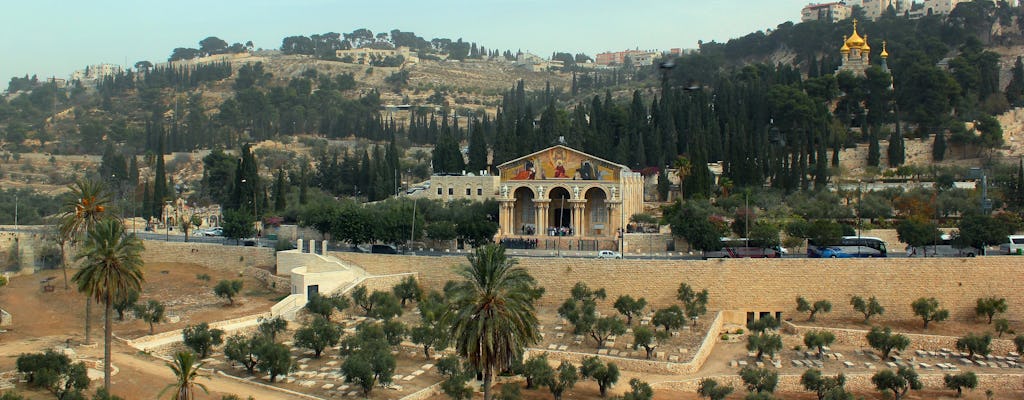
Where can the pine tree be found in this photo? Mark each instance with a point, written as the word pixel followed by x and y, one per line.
pixel 939 147
pixel 477 150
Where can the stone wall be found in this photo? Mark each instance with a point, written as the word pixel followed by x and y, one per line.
pixel 643 365
pixel 213 256
pixel 858 383
pixel 756 285
pixel 857 337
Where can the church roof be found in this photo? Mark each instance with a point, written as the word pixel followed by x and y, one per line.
pixel 567 148
pixel 855 41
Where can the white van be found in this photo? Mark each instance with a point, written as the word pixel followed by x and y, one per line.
pixel 609 254
pixel 1014 245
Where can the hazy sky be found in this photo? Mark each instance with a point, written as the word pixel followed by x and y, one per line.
pixel 51 37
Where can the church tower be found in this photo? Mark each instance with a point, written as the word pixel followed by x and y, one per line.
pixel 856 53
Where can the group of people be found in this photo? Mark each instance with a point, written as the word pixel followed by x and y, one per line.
pixel 559 231
pixel 518 243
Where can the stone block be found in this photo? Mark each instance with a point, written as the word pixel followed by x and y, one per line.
pixel 673 358
pixel 848 364
pixel 660 355
pixel 327 386
pixel 409 378
pixel 733 364
pixel 759 364
pixel 777 363
pixel 966 361
pixel 427 367
pixel 796 363
pixel 743 363
pixel 417 372
pixel 924 366
pixel 602 352
pixel 552 346
pixel 563 348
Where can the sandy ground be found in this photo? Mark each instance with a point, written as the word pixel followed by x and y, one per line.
pixel 49 319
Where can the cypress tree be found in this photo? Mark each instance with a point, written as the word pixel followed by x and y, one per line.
pixel 896 151
pixel 304 184
pixel 147 201
pixel 874 152
pixel 477 150
pixel 939 147
pixel 280 190
pixel 159 180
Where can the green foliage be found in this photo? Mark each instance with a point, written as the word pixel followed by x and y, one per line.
pixel 125 303
pixel 764 343
pixel 581 310
pixel 228 289
pixel 245 350
pixel 695 303
pixel 928 309
pixel 238 224
pixel 274 359
pixel 869 308
pixel 898 382
pixel 369 360
pixel 974 344
pixel 383 305
pixel 201 339
pixel 763 324
pixel 151 313
pixel 918 233
pixel 270 327
pixel 819 340
pixel 606 375
pixel 885 341
pixel 671 318
pixel 813 381
pixel 638 390
pixel 695 225
pixel 564 378
pixel 1002 326
pixel 713 390
pixel 960 381
pixel 491 340
pixel 317 335
pixel 408 289
pixel 990 306
pixel 629 307
pixel 759 380
pixel 803 305
pixel 648 339
pixel 537 371
pixel 325 306
pixel 54 372
pixel 432 331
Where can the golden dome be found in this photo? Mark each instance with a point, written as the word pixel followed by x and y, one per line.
pixel 855 41
pixel 885 53
pixel 865 48
pixel 845 49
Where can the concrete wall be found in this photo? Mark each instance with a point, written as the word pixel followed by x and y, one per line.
pixel 214 256
pixel 859 383
pixel 749 285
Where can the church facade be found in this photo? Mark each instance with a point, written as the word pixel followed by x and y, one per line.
pixel 563 198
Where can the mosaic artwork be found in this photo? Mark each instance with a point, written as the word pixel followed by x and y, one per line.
pixel 560 163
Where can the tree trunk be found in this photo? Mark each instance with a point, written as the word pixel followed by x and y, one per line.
pixel 64 265
pixel 107 336
pixel 487 383
pixel 88 314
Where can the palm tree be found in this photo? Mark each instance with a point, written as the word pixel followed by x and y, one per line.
pixel 186 368
pixel 112 267
pixel 84 207
pixel 492 314
pixel 683 169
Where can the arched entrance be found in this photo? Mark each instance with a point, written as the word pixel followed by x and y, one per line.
pixel 524 216
pixel 560 212
pixel 596 213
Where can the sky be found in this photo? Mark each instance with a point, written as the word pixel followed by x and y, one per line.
pixel 54 38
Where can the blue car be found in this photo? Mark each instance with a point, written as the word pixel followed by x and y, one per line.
pixel 828 252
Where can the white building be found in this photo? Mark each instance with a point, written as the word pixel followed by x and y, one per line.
pixel 831 12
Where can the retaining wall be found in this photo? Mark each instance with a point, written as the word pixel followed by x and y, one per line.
pixel 858 383
pixel 857 337
pixel 214 256
pixel 756 285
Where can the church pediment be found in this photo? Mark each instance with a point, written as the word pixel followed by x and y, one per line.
pixel 560 163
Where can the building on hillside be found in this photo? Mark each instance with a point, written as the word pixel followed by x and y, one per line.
pixel 535 63
pixel 856 53
pixel 831 12
pixel 367 55
pixel 563 198
pixel 637 57
pixel 934 7
pixel 93 74
pixel 479 187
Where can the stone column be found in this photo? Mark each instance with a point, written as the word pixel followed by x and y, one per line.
pixel 577 217
pixel 298 243
pixel 542 216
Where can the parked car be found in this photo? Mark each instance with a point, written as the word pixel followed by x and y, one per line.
pixel 383 249
pixel 215 231
pixel 830 252
pixel 1014 245
pixel 608 254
